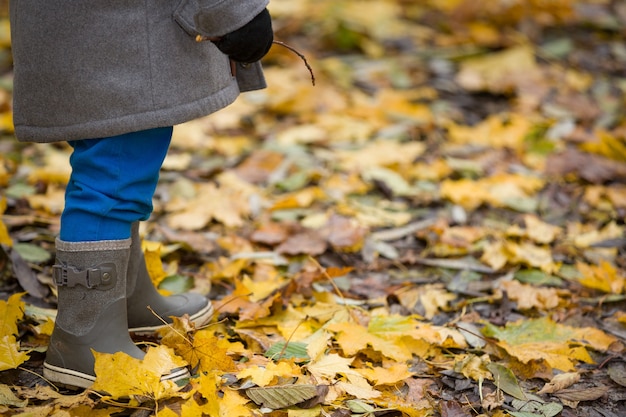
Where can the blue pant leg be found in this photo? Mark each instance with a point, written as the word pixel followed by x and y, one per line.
pixel 112 184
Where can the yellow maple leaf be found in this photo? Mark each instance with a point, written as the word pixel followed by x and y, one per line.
pixel 5 239
pixel 207 385
pixel 604 277
pixel 352 338
pixel 234 405
pixel 499 131
pixel 204 349
pixel 154 264
pixel 10 355
pixel 361 390
pixel 607 145
pixel 264 375
pixel 140 377
pixel 328 366
pixel 562 347
pixel 560 356
pixel 11 311
pixel 540 231
pixel 387 376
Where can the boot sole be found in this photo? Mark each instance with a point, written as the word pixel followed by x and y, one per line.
pixel 67 378
pixel 75 380
pixel 199 319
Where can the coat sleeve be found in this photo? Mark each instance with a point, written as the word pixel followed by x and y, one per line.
pixel 221 16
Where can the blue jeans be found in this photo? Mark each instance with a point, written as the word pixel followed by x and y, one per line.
pixel 112 184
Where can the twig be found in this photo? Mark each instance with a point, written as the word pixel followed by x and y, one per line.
pixel 302 57
pixel 200 38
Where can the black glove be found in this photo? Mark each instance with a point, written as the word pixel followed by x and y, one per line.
pixel 251 42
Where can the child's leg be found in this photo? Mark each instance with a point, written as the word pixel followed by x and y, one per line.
pixel 112 183
pixel 111 187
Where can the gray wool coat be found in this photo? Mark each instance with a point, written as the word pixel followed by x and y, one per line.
pixel 97 68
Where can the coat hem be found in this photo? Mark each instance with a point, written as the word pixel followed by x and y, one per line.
pixel 130 123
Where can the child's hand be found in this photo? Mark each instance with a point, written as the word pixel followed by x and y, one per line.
pixel 249 43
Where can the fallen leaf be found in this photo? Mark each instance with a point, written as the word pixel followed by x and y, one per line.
pixel 283 396
pixel 141 377
pixel 560 382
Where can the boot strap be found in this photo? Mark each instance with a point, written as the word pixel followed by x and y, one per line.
pixel 102 277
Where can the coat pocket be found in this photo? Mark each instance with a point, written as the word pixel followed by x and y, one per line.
pixel 217 17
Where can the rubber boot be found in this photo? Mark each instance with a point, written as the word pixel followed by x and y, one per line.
pixel 91 280
pixel 142 294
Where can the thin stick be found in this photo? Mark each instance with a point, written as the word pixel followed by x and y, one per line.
pixel 302 57
pixel 200 38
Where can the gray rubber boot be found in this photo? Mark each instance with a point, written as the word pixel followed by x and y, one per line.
pixel 142 294
pixel 91 280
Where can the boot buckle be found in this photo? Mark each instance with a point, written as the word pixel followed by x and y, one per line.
pixel 101 277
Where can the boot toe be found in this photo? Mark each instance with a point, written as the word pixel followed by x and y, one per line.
pixel 197 307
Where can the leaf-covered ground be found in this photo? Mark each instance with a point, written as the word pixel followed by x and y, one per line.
pixel 436 228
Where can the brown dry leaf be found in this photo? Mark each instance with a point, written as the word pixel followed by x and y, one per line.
pixel 345 234
pixel 309 242
pixel 576 395
pixel 270 233
pixel 593 168
pixel 560 382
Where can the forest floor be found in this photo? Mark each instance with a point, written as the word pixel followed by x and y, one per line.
pixel 435 228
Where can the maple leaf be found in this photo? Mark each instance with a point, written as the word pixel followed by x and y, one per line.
pixel 529 296
pixel 562 347
pixel 141 377
pixel 387 376
pixel 353 338
pixel 154 264
pixel 604 277
pixel 207 385
pixel 239 302
pixel 11 311
pixel 203 349
pixel 266 374
pixel 10 355
pixel 5 239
